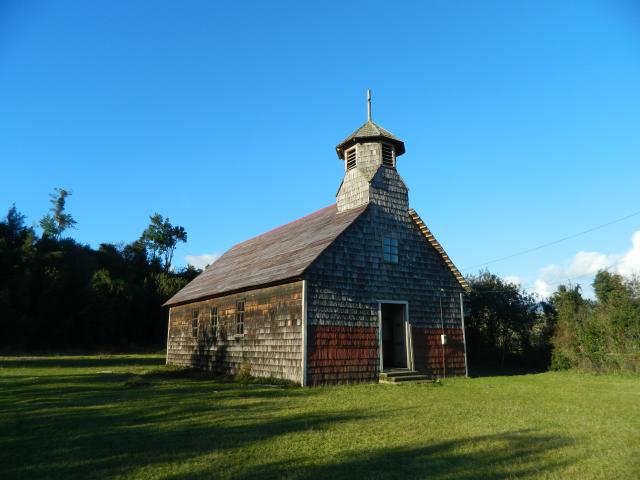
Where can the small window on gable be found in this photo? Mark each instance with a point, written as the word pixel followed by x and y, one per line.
pixel 194 322
pixel 350 158
pixel 390 250
pixel 388 156
pixel 240 317
pixel 214 318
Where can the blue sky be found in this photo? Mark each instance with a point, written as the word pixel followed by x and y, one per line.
pixel 521 119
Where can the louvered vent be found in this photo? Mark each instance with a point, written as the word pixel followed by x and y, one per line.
pixel 351 158
pixel 387 155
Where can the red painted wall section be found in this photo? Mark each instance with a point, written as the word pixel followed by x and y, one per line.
pixel 341 354
pixel 427 351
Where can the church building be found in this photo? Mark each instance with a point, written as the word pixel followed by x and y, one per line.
pixel 359 291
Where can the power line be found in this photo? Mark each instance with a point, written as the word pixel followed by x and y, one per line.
pixel 569 237
pixel 569 279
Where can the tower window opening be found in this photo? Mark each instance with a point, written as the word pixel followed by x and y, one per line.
pixel 388 157
pixel 350 156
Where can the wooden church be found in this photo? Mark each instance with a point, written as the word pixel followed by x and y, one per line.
pixel 355 292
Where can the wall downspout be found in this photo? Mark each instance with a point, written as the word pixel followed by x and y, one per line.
pixel 464 337
pixel 303 381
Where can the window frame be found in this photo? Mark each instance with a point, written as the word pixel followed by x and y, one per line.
pixel 347 153
pixel 390 250
pixel 214 321
pixel 393 154
pixel 240 313
pixel 195 321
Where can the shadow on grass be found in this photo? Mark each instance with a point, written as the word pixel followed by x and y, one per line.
pixel 96 426
pixel 476 372
pixel 81 361
pixel 517 454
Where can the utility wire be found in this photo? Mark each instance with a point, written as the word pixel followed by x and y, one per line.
pixel 569 279
pixel 569 237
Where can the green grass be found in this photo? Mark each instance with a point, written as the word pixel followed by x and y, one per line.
pixel 127 416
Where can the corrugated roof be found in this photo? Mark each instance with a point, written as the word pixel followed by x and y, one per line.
pixel 277 255
pixel 370 130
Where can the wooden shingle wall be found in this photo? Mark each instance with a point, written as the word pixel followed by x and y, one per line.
pixel 342 354
pixel 346 282
pixel 272 340
pixel 428 351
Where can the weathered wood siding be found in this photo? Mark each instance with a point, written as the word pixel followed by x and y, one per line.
pixel 428 349
pixel 350 277
pixel 342 354
pixel 272 340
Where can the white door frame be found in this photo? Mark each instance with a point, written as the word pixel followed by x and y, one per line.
pixel 408 340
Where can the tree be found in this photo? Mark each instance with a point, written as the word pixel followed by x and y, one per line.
pixel 161 239
pixel 572 312
pixel 506 326
pixel 53 224
pixel 600 335
pixel 14 222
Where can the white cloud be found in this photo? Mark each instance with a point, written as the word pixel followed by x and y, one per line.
pixel 201 261
pixel 542 289
pixel 629 264
pixel 513 280
pixel 584 265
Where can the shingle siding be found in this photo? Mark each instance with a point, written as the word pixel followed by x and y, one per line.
pixel 271 344
pixel 350 276
pixel 346 282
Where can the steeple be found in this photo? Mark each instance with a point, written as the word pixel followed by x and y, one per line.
pixel 370 132
pixel 367 151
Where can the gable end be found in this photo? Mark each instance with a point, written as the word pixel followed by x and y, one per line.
pixel 435 244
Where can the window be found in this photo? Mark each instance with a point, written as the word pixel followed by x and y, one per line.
pixel 388 158
pixel 240 317
pixel 214 318
pixel 194 322
pixel 390 250
pixel 350 156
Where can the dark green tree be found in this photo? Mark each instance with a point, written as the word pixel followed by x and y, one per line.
pixel 56 293
pixel 506 326
pixel 56 222
pixel 572 312
pixel 161 239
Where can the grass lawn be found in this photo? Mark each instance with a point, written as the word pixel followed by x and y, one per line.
pixel 127 416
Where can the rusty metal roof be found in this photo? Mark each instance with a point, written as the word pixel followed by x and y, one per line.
pixel 280 254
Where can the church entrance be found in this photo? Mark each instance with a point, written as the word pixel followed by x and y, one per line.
pixel 393 333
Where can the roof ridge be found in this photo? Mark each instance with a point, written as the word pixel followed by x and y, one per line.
pixel 317 212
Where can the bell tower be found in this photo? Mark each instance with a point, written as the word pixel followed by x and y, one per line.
pixel 370 155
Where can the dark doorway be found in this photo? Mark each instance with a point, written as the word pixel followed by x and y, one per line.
pixel 394 347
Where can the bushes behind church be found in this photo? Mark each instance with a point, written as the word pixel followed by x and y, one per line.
pixel 57 294
pixel 507 328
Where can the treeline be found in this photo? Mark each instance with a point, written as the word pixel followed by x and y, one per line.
pixel 509 328
pixel 601 335
pixel 506 326
pixel 56 293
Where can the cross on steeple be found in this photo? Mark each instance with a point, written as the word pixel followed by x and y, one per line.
pixel 369 105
